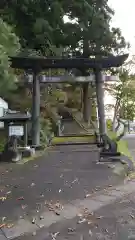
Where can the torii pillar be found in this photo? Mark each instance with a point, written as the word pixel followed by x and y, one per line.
pixel 100 102
pixel 36 111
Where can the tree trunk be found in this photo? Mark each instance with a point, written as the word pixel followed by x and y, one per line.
pixel 115 114
pixel 114 118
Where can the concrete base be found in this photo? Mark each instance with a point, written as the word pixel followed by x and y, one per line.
pixel 37 148
pixel 110 159
pixel 17 158
pixel 27 152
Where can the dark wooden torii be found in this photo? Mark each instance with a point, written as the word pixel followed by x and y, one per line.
pixel 37 65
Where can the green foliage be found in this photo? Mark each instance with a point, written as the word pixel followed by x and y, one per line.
pixel 26 52
pixel 40 26
pixel 109 124
pixel 124 95
pixel 42 30
pixel 45 132
pixel 122 147
pixel 56 96
pixel 3 140
pixel 94 19
pixel 9 46
pixel 38 23
pixel 112 135
pixel 94 112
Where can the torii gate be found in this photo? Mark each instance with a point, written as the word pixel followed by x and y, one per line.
pixel 37 65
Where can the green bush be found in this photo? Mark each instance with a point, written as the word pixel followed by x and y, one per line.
pixel 109 124
pixel 2 142
pixel 46 131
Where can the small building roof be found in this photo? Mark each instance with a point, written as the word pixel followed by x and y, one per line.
pixel 15 117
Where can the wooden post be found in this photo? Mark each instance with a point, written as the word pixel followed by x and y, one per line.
pixel 6 127
pixel 25 134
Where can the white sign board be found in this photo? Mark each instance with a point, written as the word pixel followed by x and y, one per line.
pixel 16 130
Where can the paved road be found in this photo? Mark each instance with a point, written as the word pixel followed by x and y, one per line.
pixel 130 138
pixel 131 141
pixel 63 173
pixel 115 221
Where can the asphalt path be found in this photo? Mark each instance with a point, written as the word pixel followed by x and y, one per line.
pixel 63 174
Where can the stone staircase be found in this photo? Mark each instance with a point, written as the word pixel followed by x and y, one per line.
pixel 73 128
pixel 78 118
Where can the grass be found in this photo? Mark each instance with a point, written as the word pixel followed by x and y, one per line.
pixel 122 147
pixel 73 139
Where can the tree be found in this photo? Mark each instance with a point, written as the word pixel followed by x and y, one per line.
pixel 9 46
pixel 124 97
pixel 41 26
pixel 96 37
pixel 38 23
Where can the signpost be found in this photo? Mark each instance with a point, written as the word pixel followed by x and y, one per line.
pixel 16 131
pixel 16 125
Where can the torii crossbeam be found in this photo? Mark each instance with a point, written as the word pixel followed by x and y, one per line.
pixel 39 63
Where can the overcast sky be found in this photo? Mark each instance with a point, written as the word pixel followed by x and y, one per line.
pixel 125 19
